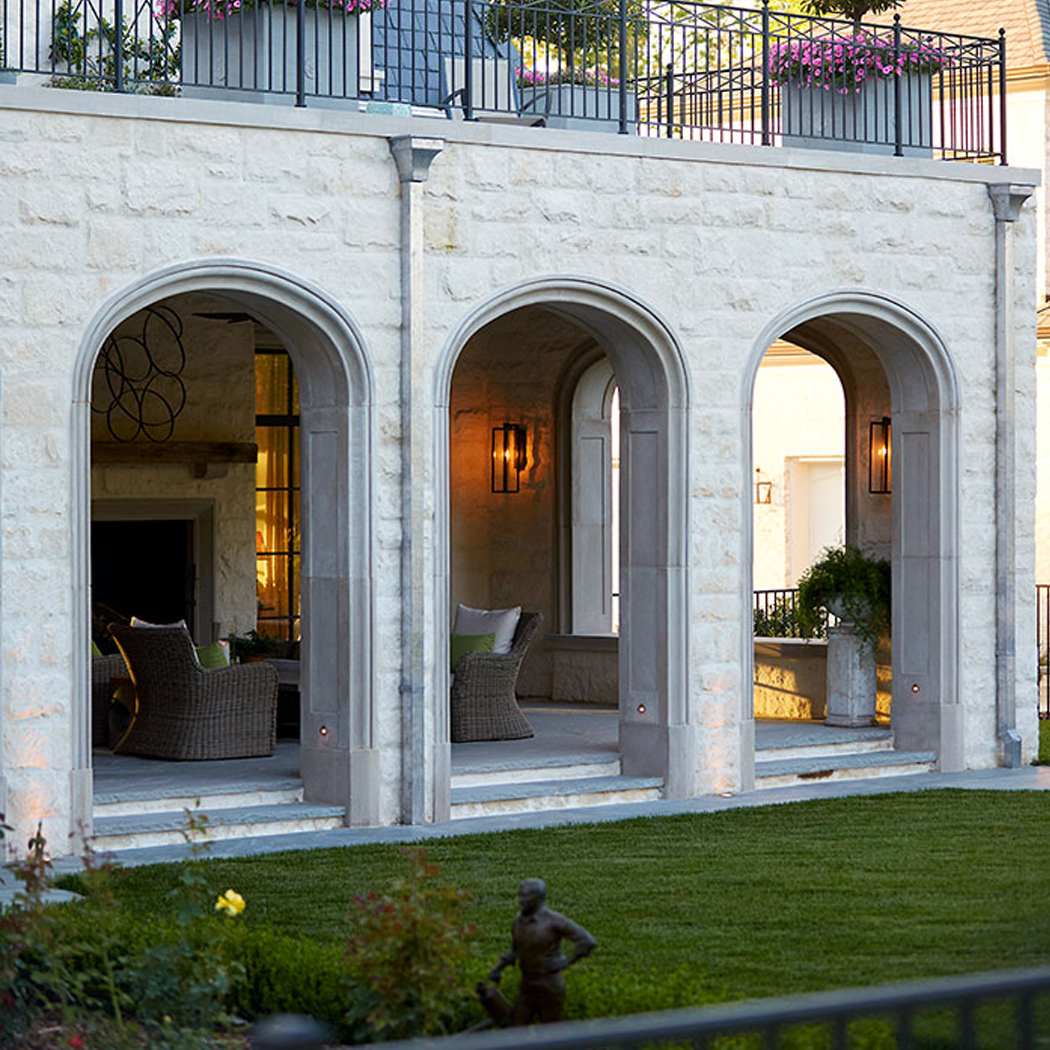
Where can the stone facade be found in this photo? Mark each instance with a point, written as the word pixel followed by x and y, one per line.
pixel 682 261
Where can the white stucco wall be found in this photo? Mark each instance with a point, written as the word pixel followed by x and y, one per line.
pixel 716 241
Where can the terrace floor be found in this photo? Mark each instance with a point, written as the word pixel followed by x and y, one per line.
pixel 564 733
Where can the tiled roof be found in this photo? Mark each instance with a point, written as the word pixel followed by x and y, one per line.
pixel 1027 24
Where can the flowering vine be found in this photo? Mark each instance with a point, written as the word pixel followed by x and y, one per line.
pixel 589 76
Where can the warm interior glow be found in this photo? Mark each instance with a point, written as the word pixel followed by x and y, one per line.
pixel 277 519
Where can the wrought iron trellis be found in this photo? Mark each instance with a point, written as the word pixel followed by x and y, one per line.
pixel 142 374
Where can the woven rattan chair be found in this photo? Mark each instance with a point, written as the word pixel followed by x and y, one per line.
pixel 484 704
pixel 103 670
pixel 186 712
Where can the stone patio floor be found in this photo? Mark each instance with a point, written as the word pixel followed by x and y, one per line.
pixel 563 730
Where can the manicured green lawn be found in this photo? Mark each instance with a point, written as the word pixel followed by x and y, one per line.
pixel 1044 742
pixel 762 901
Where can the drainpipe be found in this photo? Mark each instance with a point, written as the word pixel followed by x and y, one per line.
pixel 1007 199
pixel 413 155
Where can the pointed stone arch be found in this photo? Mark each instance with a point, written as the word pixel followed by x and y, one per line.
pixel 336 398
pixel 921 394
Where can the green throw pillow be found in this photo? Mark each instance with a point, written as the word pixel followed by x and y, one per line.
pixel 470 643
pixel 212 656
pixel 95 650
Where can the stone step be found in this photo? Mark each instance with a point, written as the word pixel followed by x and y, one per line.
pixel 166 828
pixel 521 771
pixel 132 801
pixel 858 766
pixel 868 745
pixel 530 796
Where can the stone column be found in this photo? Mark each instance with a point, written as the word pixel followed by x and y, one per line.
pixel 1007 199
pixel 425 750
pixel 851 678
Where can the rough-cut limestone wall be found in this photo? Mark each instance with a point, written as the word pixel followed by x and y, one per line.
pixel 90 205
pixel 1026 421
pixel 503 544
pixel 220 406
pixel 718 250
pixel 715 240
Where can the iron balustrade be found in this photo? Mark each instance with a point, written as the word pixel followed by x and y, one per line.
pixel 775 615
pixel 696 71
pixel 1007 1009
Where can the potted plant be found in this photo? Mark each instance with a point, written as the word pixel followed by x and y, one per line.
pixel 229 47
pixel 255 646
pixel 573 77
pixel 576 98
pixel 839 89
pixel 853 587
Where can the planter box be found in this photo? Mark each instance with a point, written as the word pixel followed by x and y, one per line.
pixel 860 121
pixel 252 55
pixel 578 107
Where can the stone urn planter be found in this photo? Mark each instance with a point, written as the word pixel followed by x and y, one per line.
pixel 863 120
pixel 852 684
pixel 854 588
pixel 251 54
pixel 579 107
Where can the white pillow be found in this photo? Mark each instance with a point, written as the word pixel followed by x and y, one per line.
pixel 501 623
pixel 136 622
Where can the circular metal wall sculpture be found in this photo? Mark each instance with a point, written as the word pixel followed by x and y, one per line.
pixel 142 374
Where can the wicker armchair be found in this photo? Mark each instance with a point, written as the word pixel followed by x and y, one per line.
pixel 186 712
pixel 484 704
pixel 103 670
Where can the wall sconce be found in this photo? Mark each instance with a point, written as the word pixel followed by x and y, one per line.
pixel 879 456
pixel 508 457
pixel 763 489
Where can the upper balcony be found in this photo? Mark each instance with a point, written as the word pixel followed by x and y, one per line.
pixel 678 69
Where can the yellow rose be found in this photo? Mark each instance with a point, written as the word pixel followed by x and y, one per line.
pixel 230 902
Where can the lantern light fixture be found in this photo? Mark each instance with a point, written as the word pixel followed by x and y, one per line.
pixel 879 456
pixel 763 488
pixel 508 457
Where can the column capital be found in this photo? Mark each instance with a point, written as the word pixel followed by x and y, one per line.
pixel 1007 198
pixel 413 155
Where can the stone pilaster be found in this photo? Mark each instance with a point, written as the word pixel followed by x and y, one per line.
pixel 425 761
pixel 1007 199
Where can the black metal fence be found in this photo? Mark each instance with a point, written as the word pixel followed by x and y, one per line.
pixel 677 69
pixel 775 615
pixel 1008 1010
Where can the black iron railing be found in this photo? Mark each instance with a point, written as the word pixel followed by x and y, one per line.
pixel 678 69
pixel 1042 610
pixel 1007 1010
pixel 775 615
